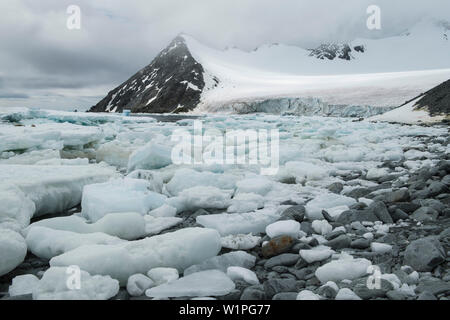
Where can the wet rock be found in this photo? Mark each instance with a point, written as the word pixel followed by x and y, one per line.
pixel 427 296
pixel 277 246
pixel 433 286
pixel 287 259
pixel 399 215
pixel 296 213
pixel 360 244
pixel 306 227
pixel 336 187
pixel 274 286
pixel 358 193
pixel 347 217
pixel 254 293
pixel 289 296
pixel 334 235
pixel 425 214
pixel 424 254
pixel 382 213
pixel 340 242
pixel 398 196
pixel 407 207
pixel 362 289
pixel 436 188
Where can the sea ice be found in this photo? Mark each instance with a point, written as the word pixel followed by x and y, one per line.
pixel 322 227
pixel 13 250
pixel 150 156
pixel 205 283
pixel 163 275
pixel 222 262
pixel 22 285
pixel 54 286
pixel 239 273
pixel 256 185
pixel 343 269
pixel 245 202
pixel 307 295
pixel 47 243
pixel 240 241
pixel 121 195
pixel 201 197
pixel 179 249
pixel 280 228
pixel 240 223
pixel 156 225
pixel 163 211
pixel 325 201
pixel 137 285
pixel 316 254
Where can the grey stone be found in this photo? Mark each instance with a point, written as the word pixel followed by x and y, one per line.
pixel 327 216
pixel 399 215
pixel 296 213
pixel 363 291
pixel 425 214
pixel 436 188
pixel 435 287
pixel 382 213
pixel 304 274
pixel 336 187
pixel 401 195
pixel 254 293
pixel 407 207
pixel 358 193
pixel 289 296
pixel 347 217
pixel 361 244
pixel 274 286
pixel 424 254
pixel 327 292
pixel 340 242
pixel 334 235
pixel 306 227
pixel 287 259
pixel 446 180
pixel 222 262
pixel 426 296
pixel 396 295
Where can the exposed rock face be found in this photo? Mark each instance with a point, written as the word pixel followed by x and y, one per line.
pixel 437 100
pixel 332 51
pixel 173 82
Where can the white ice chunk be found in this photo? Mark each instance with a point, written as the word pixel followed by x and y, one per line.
pixel 281 228
pixel 246 202
pixel 121 195
pixel 201 197
pixel 307 295
pixel 240 223
pixel 206 283
pixel 380 248
pixel 54 286
pixel 137 285
pixel 326 201
pixel 346 294
pixel 304 171
pixel 339 270
pixel 222 262
pixel 17 209
pixel 239 273
pixel 13 250
pixel 163 211
pixel 150 156
pixel 53 189
pixel 257 185
pixel 179 250
pixel 156 225
pixel 316 254
pixel 126 225
pixel 163 275
pixel 115 153
pixel 322 227
pixel 240 241
pixel 47 243
pixel 188 178
pixel 376 173
pixel 22 285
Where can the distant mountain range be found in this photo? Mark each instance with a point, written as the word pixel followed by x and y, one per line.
pixel 189 76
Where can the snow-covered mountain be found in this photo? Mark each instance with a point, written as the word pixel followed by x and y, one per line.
pixel 190 76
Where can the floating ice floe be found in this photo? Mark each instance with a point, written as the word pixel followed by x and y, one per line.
pixel 126 225
pixel 154 225
pixel 47 243
pixel 256 185
pixel 121 195
pixel 246 202
pixel 205 283
pixel 54 286
pixel 179 249
pixel 13 249
pixel 241 223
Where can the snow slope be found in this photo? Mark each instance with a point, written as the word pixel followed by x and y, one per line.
pixel 389 72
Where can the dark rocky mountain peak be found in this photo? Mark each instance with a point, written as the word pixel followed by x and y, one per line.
pixel 333 51
pixel 172 83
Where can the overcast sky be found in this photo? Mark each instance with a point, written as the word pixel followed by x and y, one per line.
pixel 43 64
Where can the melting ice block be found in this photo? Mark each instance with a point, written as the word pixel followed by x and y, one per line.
pixel 53 189
pixel 13 250
pixel 120 195
pixel 344 269
pixel 240 223
pixel 54 286
pixel 179 250
pixel 150 156
pixel 201 284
